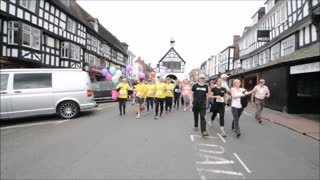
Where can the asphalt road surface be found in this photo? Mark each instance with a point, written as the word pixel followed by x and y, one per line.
pixel 100 144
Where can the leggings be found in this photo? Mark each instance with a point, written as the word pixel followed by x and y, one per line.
pixel 149 102
pixel 176 99
pixel 158 101
pixel 218 107
pixel 169 103
pixel 122 104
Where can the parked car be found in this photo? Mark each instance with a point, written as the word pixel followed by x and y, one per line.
pixel 102 90
pixel 30 92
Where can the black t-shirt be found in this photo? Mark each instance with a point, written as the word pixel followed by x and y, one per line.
pixel 218 92
pixel 200 92
pixel 177 89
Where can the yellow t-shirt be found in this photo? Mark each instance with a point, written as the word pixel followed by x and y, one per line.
pixel 151 89
pixel 123 92
pixel 141 90
pixel 160 93
pixel 169 90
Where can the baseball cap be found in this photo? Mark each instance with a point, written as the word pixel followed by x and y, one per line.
pixel 224 76
pixel 201 76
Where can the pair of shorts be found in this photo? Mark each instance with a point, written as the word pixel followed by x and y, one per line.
pixel 139 100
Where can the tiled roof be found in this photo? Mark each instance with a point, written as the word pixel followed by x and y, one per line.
pixel 82 15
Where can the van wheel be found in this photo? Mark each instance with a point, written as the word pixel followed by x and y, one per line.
pixel 68 109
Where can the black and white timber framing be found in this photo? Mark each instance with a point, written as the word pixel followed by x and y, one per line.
pixel 55 33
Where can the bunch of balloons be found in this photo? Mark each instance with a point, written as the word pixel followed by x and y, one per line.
pixel 113 74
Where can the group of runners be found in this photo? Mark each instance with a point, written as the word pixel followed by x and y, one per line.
pixel 166 94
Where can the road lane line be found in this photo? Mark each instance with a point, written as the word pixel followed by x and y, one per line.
pixel 221 138
pixel 26 125
pixel 245 112
pixel 220 172
pixel 242 163
pixel 204 137
pixel 59 122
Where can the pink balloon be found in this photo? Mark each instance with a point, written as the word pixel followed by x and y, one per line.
pixel 142 76
pixel 165 69
pixel 109 77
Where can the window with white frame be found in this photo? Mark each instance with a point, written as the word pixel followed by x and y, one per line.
pixel 13 32
pixel 29 4
pixel 49 41
pixel 30 36
pixel 255 61
pixel 261 57
pixel 266 56
pixel 91 59
pixel 120 56
pixel 275 52
pixel 65 50
pixel 74 52
pixel 71 25
pixel 288 45
pixel 283 11
pixel 92 43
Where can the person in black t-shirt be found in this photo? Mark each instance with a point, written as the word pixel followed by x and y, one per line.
pixel 199 102
pixel 219 95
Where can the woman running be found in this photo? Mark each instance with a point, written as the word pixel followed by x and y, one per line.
pixel 140 94
pixel 169 94
pixel 219 98
pixel 236 108
pixel 151 89
pixel 160 97
pixel 186 93
pixel 177 94
pixel 123 88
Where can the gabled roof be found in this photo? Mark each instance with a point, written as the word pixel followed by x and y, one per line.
pixel 172 49
pixel 83 16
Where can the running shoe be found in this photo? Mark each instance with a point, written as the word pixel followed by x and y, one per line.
pixel 204 133
pixel 195 129
pixel 223 134
pixel 138 116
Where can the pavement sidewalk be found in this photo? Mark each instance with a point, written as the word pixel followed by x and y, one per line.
pixel 304 123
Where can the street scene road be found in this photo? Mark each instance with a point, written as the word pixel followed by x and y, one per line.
pixel 100 144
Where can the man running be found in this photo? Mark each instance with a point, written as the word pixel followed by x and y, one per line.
pixel 199 97
pixel 151 89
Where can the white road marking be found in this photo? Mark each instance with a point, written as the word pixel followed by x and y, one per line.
pixel 59 122
pixel 221 138
pixel 192 138
pixel 198 136
pixel 245 112
pixel 242 163
pixel 220 172
pixel 26 125
pixel 203 178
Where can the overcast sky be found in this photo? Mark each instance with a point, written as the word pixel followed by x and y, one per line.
pixel 200 28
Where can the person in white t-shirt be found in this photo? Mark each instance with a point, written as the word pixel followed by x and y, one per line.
pixel 260 92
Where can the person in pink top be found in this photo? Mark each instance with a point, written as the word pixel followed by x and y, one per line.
pixel 186 93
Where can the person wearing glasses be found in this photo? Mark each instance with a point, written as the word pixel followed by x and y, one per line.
pixel 260 92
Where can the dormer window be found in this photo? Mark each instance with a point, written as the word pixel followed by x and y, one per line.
pixel 65 2
pixel 96 25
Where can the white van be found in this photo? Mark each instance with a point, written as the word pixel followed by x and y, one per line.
pixel 30 92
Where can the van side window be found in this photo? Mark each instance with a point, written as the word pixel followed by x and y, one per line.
pixel 4 81
pixel 32 81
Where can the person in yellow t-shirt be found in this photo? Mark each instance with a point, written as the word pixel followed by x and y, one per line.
pixel 160 89
pixel 169 94
pixel 151 89
pixel 140 90
pixel 123 88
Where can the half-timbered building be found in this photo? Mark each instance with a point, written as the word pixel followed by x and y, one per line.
pixel 56 34
pixel 282 46
pixel 173 61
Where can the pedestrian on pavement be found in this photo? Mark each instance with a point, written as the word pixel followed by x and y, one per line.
pixel 186 93
pixel 199 97
pixel 219 98
pixel 260 92
pixel 123 88
pixel 140 94
pixel 159 97
pixel 151 89
pixel 177 94
pixel 169 94
pixel 236 107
